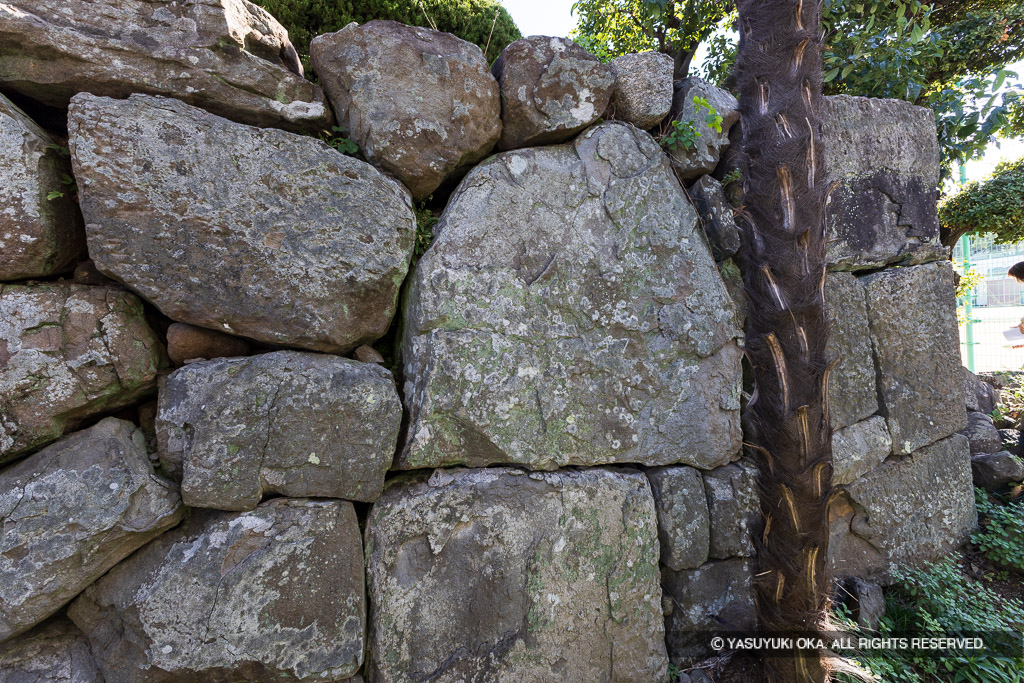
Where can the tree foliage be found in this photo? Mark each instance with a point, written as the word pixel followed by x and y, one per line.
pixel 483 22
pixel 610 28
pixel 954 66
pixel 995 205
pixel 948 56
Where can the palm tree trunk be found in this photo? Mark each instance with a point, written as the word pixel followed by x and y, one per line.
pixel 778 74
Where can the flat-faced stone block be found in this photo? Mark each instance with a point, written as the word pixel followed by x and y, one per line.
pixel 272 594
pixel 912 313
pixel 569 312
pixel 296 424
pixel 499 575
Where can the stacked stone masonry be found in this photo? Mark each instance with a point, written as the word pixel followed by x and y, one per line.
pixel 244 437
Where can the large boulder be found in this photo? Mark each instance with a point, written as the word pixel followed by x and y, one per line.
pixel 420 104
pixel 883 156
pixel 912 314
pixel 256 232
pixel 40 232
pixel 551 89
pixel 227 56
pixel 733 509
pixel 499 575
pixel 296 424
pixel 569 312
pixel 859 448
pixel 71 512
pixel 683 523
pixel 703 156
pixel 68 353
pixel 54 652
pixel 852 393
pixel 643 88
pixel 982 434
pixel 717 596
pixel 909 510
pixel 271 594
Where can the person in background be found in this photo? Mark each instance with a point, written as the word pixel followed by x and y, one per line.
pixel 1017 272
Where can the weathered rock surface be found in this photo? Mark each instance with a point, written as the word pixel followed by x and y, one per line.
pixel 271 594
pixel 420 104
pixel 71 512
pixel 859 448
pixel 994 471
pixel 643 88
pixel 703 157
pixel 716 217
pixel 982 434
pixel 733 509
pixel 909 510
pixel 1010 440
pixel 568 312
pixel 498 575
pixel 885 156
pixel 257 232
pixel 912 312
pixel 980 396
pixel 367 354
pixel 852 393
pixel 869 602
pixel 38 236
pixel 683 521
pixel 54 652
pixel 187 342
pixel 551 89
pixel 297 424
pixel 227 56
pixel 717 596
pixel 68 352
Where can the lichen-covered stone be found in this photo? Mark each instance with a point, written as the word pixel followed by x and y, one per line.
pixel 569 312
pixel 255 232
pixel 703 157
pixel 271 594
pixel 227 56
pixel 683 524
pixel 852 393
pixel 40 232
pixel 716 217
pixel 499 575
pixel 859 448
pixel 643 88
pixel 296 424
pixel 909 510
pixel 912 313
pixel 717 596
pixel 420 104
pixel 67 353
pixel 71 512
pixel 54 652
pixel 732 508
pixel 551 89
pixel 884 155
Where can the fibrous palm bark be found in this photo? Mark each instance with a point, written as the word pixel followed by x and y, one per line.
pixel 778 74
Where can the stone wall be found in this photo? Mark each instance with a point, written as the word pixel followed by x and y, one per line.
pixel 211 472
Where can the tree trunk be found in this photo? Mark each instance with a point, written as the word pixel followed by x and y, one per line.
pixel 778 73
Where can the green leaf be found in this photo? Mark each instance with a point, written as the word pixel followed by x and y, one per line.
pixel 831 74
pixel 54 194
